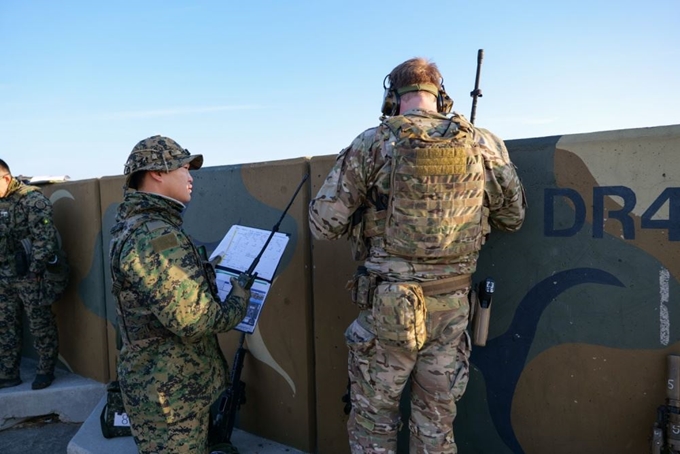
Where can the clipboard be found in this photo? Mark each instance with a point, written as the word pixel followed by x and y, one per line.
pixel 237 251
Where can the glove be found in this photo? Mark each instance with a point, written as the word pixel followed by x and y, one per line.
pixel 238 291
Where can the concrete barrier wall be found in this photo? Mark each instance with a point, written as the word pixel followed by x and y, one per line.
pixel 587 299
pixel 80 312
pixel 584 314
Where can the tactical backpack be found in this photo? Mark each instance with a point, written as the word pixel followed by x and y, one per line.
pixel 436 192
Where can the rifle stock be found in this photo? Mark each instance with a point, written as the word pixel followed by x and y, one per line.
pixel 231 400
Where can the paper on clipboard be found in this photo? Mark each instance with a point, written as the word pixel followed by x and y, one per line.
pixel 238 249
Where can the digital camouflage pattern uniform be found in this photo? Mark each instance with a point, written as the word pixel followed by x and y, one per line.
pixel 170 369
pixel 404 331
pixel 25 213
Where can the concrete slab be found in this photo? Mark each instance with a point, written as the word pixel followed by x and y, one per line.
pixel 70 396
pixel 89 440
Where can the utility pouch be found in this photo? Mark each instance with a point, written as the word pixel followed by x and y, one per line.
pixel 114 420
pixel 361 288
pixel 399 315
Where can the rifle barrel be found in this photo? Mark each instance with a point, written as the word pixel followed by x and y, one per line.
pixel 276 227
pixel 476 93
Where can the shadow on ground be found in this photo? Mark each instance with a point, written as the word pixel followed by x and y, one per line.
pixel 42 434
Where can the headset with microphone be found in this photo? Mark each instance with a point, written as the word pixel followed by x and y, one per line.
pixel 392 97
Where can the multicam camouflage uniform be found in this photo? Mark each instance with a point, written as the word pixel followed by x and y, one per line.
pixel 25 213
pixel 403 331
pixel 171 369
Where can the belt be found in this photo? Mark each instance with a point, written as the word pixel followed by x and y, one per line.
pixel 446 285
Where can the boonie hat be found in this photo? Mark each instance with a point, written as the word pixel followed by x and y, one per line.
pixel 161 154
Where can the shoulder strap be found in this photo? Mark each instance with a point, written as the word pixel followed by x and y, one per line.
pixel 398 125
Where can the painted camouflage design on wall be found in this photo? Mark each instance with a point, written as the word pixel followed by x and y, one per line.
pixel 586 306
pixel 577 359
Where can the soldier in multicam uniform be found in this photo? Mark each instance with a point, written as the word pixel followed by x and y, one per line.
pixel 171 369
pixel 28 241
pixel 415 195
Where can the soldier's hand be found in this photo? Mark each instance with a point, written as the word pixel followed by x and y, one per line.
pixel 238 291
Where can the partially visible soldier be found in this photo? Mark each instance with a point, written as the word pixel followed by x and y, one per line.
pixel 171 369
pixel 28 241
pixel 415 195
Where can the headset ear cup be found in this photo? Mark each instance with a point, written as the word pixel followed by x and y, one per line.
pixel 390 104
pixel 444 102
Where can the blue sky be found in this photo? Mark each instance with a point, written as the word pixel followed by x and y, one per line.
pixel 82 81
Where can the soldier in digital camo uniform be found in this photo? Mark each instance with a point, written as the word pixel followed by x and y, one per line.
pixel 170 369
pixel 28 241
pixel 415 195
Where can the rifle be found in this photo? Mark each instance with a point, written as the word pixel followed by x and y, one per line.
pixel 477 92
pixel 234 396
pixel 666 432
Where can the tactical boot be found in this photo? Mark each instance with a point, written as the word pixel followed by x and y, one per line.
pixel 42 381
pixel 9 382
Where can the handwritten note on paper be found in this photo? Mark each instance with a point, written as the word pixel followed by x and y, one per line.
pixel 241 245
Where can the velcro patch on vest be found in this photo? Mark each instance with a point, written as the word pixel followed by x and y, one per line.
pixel 165 242
pixel 155 225
pixel 440 161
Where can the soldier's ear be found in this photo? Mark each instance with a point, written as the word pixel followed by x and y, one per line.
pixel 155 175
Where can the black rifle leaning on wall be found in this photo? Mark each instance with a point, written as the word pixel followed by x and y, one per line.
pixel 666 433
pixel 234 396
